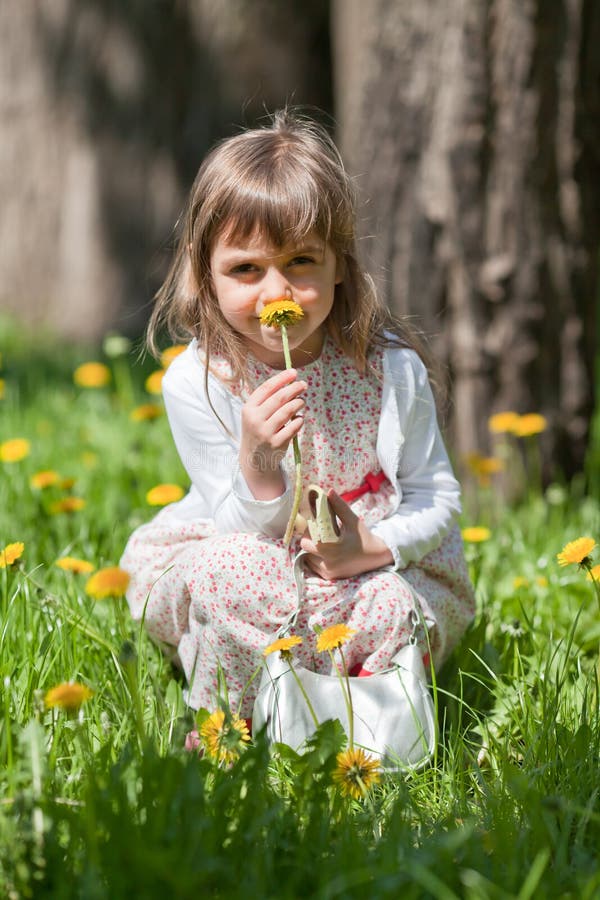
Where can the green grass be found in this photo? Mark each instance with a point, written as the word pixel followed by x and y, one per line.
pixel 107 804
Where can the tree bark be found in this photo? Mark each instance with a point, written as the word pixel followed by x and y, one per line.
pixel 108 108
pixel 473 131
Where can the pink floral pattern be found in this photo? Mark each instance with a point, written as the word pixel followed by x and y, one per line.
pixel 220 599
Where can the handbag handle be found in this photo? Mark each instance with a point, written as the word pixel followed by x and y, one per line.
pixel 416 616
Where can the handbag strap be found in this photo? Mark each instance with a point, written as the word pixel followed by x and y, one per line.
pixel 416 616
pixel 298 571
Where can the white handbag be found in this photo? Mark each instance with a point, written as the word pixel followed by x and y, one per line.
pixel 394 717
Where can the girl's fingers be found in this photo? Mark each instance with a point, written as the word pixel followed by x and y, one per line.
pixel 269 409
pixel 309 546
pixel 283 398
pixel 265 422
pixel 273 384
pixel 285 434
pixel 342 510
pixel 281 417
pixel 270 415
pixel 277 401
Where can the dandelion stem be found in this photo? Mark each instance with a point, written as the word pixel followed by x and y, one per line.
pixel 311 710
pixel 297 457
pixel 345 683
pixel 349 702
pixel 588 566
pixel 123 383
pixel 246 686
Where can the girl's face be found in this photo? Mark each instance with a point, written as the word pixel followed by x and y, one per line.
pixel 249 273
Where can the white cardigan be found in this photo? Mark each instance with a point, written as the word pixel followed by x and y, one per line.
pixel 410 451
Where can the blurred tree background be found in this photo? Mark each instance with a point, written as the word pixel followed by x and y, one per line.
pixel 473 130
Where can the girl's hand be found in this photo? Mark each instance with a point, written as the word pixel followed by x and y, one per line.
pixel 268 426
pixel 358 551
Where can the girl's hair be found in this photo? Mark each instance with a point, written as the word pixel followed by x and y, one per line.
pixel 288 179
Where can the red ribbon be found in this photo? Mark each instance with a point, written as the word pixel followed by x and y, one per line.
pixel 371 484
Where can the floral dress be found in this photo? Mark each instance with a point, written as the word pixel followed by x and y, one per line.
pixel 219 599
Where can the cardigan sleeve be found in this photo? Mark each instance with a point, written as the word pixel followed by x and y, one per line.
pixel 210 455
pixel 429 494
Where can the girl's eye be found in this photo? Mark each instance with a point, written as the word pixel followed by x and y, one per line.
pixel 243 269
pixel 302 261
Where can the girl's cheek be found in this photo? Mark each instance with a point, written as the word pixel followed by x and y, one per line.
pixel 239 312
pixel 244 305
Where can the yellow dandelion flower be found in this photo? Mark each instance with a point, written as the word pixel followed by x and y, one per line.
pixel 67 505
pixel 519 581
pixel 484 465
pixel 68 695
pixel 67 483
pixel 356 772
pixel 11 553
pixel 490 465
pixel 281 311
pixel 224 738
pixel 333 637
pixel 502 422
pixel 44 479
pixel 72 564
pixel 14 450
pixel 529 424
pixel 577 551
pixel 163 494
pixel 169 354
pixel 153 382
pixel 146 412
pixel 92 375
pixel 108 582
pixel 594 574
pixel 282 644
pixel 476 534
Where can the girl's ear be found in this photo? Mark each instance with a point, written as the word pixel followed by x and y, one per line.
pixel 340 270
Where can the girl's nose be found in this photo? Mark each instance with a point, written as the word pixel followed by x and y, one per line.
pixel 275 285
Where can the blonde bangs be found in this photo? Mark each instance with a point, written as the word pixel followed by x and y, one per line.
pixel 283 217
pixel 286 206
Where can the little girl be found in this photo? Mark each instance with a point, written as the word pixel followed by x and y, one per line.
pixel 271 216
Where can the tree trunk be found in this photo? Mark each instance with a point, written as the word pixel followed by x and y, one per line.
pixel 473 130
pixel 108 108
